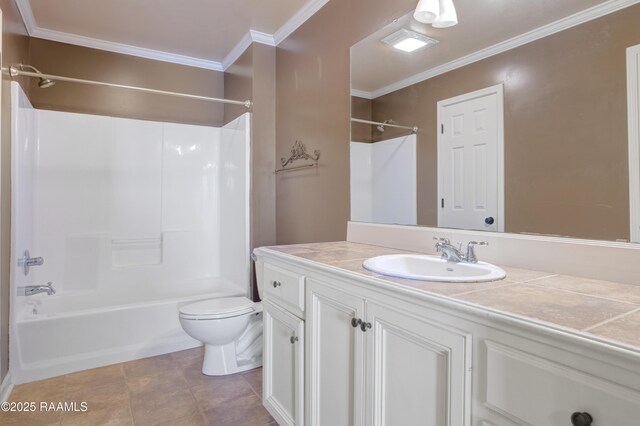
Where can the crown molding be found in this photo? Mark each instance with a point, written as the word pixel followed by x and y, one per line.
pixel 244 43
pixel 307 11
pixel 125 49
pixel 34 31
pixel 251 36
pixel 237 50
pixel 536 34
pixel 262 38
pixel 361 94
pixel 27 15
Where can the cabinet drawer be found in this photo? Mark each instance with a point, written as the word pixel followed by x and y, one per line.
pixel 532 390
pixel 284 288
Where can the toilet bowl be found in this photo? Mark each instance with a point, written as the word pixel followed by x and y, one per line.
pixel 231 330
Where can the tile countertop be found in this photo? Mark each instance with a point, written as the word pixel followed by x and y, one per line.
pixel 603 309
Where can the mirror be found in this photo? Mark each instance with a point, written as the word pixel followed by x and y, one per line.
pixel 533 139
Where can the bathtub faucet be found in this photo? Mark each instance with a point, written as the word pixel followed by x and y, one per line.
pixel 30 290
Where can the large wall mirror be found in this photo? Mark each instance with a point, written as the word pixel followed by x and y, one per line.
pixel 525 117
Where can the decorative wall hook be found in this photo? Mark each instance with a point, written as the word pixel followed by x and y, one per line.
pixel 299 152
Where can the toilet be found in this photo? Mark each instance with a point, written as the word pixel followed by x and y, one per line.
pixel 231 330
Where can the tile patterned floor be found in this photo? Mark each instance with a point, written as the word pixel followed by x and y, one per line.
pixel 163 390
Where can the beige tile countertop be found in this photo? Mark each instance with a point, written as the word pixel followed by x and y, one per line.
pixel 604 309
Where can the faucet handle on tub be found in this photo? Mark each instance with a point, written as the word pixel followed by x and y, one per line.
pixel 471 254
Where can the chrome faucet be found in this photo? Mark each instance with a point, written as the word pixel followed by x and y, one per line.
pixel 452 254
pixel 30 290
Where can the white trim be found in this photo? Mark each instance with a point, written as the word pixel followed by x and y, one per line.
pixel 27 15
pixel 517 41
pixel 244 43
pixel 497 90
pixel 262 38
pixel 6 387
pixel 633 111
pixel 237 50
pixel 125 49
pixel 307 11
pixel 361 94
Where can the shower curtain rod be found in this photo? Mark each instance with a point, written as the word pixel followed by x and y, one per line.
pixel 14 72
pixel 414 129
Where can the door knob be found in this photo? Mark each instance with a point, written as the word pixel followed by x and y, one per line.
pixel 489 220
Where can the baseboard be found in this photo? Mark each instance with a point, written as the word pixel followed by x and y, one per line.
pixel 6 387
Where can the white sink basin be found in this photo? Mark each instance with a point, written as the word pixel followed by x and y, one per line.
pixel 431 268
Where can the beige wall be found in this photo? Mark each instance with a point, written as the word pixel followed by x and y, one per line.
pixel 361 108
pixel 15 48
pixel 313 106
pixel 74 61
pixel 252 76
pixel 566 170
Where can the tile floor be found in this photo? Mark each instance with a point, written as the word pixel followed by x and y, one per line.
pixel 163 390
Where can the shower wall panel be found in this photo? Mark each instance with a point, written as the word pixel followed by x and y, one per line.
pixel 24 134
pixel 383 181
pixel 125 203
pixel 235 199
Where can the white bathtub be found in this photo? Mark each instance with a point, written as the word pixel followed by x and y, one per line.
pixel 133 218
pixel 60 334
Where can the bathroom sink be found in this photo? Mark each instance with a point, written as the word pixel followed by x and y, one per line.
pixel 432 268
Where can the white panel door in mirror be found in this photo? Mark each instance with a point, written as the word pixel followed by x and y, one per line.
pixel 468 162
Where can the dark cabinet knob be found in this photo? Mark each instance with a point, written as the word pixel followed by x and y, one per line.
pixel 365 325
pixel 489 220
pixel 276 284
pixel 581 419
pixel 355 322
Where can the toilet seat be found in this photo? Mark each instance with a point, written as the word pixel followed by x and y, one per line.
pixel 225 307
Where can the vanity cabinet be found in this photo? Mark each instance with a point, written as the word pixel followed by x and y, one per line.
pixel 370 352
pixel 283 348
pixel 375 362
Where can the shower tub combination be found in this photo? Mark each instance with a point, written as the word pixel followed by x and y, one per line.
pixel 133 219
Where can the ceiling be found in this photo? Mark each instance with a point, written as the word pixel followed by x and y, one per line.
pixel 204 33
pixel 485 28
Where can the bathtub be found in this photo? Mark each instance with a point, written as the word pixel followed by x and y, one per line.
pixel 65 333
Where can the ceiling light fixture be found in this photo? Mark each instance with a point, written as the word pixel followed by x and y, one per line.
pixel 408 41
pixel 439 13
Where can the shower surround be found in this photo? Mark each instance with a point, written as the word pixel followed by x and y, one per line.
pixel 133 218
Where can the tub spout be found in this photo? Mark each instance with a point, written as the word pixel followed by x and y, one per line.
pixel 30 290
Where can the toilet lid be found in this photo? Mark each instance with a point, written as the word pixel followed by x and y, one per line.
pixel 223 307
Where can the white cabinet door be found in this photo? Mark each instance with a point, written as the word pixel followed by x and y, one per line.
pixel 334 356
pixel 283 361
pixel 418 371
